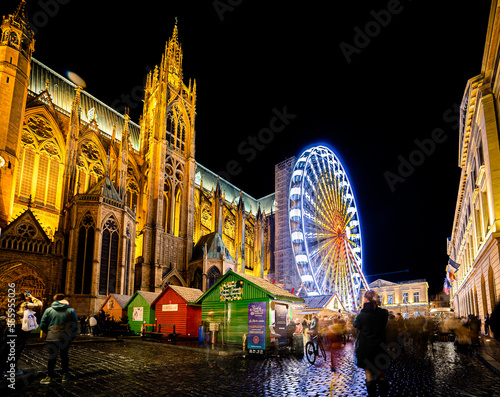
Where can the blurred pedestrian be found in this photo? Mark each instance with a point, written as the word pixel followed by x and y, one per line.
pixel 474 326
pixel 298 326
pixel 487 324
pixel 371 355
pixel 25 307
pixel 402 331
pixel 495 321
pixel 93 325
pixel 60 323
pixel 83 328
pixel 313 328
pixel 305 330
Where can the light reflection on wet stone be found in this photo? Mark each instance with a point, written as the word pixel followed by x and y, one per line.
pixel 145 368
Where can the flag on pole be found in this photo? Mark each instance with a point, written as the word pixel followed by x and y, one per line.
pixel 446 286
pixel 450 274
pixel 453 264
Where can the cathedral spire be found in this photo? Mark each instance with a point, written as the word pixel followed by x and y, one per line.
pixel 71 144
pixel 122 166
pixel 20 14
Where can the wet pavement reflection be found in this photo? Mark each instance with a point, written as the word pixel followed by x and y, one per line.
pixel 139 368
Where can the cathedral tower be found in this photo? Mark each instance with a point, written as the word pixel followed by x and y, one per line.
pixel 165 221
pixel 16 47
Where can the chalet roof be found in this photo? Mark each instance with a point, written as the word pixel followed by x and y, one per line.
pixel 190 295
pixel 275 291
pixel 121 299
pixel 317 302
pixel 147 295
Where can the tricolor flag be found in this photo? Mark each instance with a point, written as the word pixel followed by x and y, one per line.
pixel 450 274
pixel 446 286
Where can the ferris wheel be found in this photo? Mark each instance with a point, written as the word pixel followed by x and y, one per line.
pixel 324 227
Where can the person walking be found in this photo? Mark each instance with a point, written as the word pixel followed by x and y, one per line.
pixel 60 323
pixel 93 325
pixel 298 326
pixel 313 326
pixel 487 324
pixel 24 301
pixel 371 355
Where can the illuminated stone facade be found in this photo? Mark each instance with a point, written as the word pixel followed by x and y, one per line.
pixel 474 242
pixel 409 298
pixel 92 203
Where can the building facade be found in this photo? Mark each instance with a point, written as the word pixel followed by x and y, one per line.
pixel 93 203
pixel 410 298
pixel 474 243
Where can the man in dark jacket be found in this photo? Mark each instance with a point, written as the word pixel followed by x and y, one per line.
pixel 371 353
pixel 60 323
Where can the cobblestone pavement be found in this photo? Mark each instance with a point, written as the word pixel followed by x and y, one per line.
pixel 139 368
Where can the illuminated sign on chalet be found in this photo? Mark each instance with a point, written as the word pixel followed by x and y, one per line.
pixel 231 291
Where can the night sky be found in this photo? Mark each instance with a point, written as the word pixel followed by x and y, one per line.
pixel 379 82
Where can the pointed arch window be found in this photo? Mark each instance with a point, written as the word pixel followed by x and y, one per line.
pixel 213 275
pixel 109 258
pixel 127 261
pixel 166 206
pixel 84 261
pixel 177 213
pixel 170 126
pixel 491 287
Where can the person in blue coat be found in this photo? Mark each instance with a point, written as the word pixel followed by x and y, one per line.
pixel 371 351
pixel 60 323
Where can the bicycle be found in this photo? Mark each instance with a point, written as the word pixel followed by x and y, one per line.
pixel 313 350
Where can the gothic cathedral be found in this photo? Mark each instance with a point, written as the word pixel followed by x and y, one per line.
pixel 92 203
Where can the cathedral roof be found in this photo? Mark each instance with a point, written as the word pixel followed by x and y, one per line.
pixel 215 248
pixel 209 180
pixel 105 187
pixel 62 92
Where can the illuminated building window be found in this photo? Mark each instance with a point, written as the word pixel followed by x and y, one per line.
pixel 127 261
pixel 26 180
pixel 41 183
pixel 405 297
pixel 416 297
pixel 83 274
pixel 109 258
pixel 390 299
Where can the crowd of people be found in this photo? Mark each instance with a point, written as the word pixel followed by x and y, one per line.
pixel 22 315
pixel 381 336
pixel 95 325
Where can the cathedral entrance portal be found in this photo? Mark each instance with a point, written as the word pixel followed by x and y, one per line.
pixel 25 278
